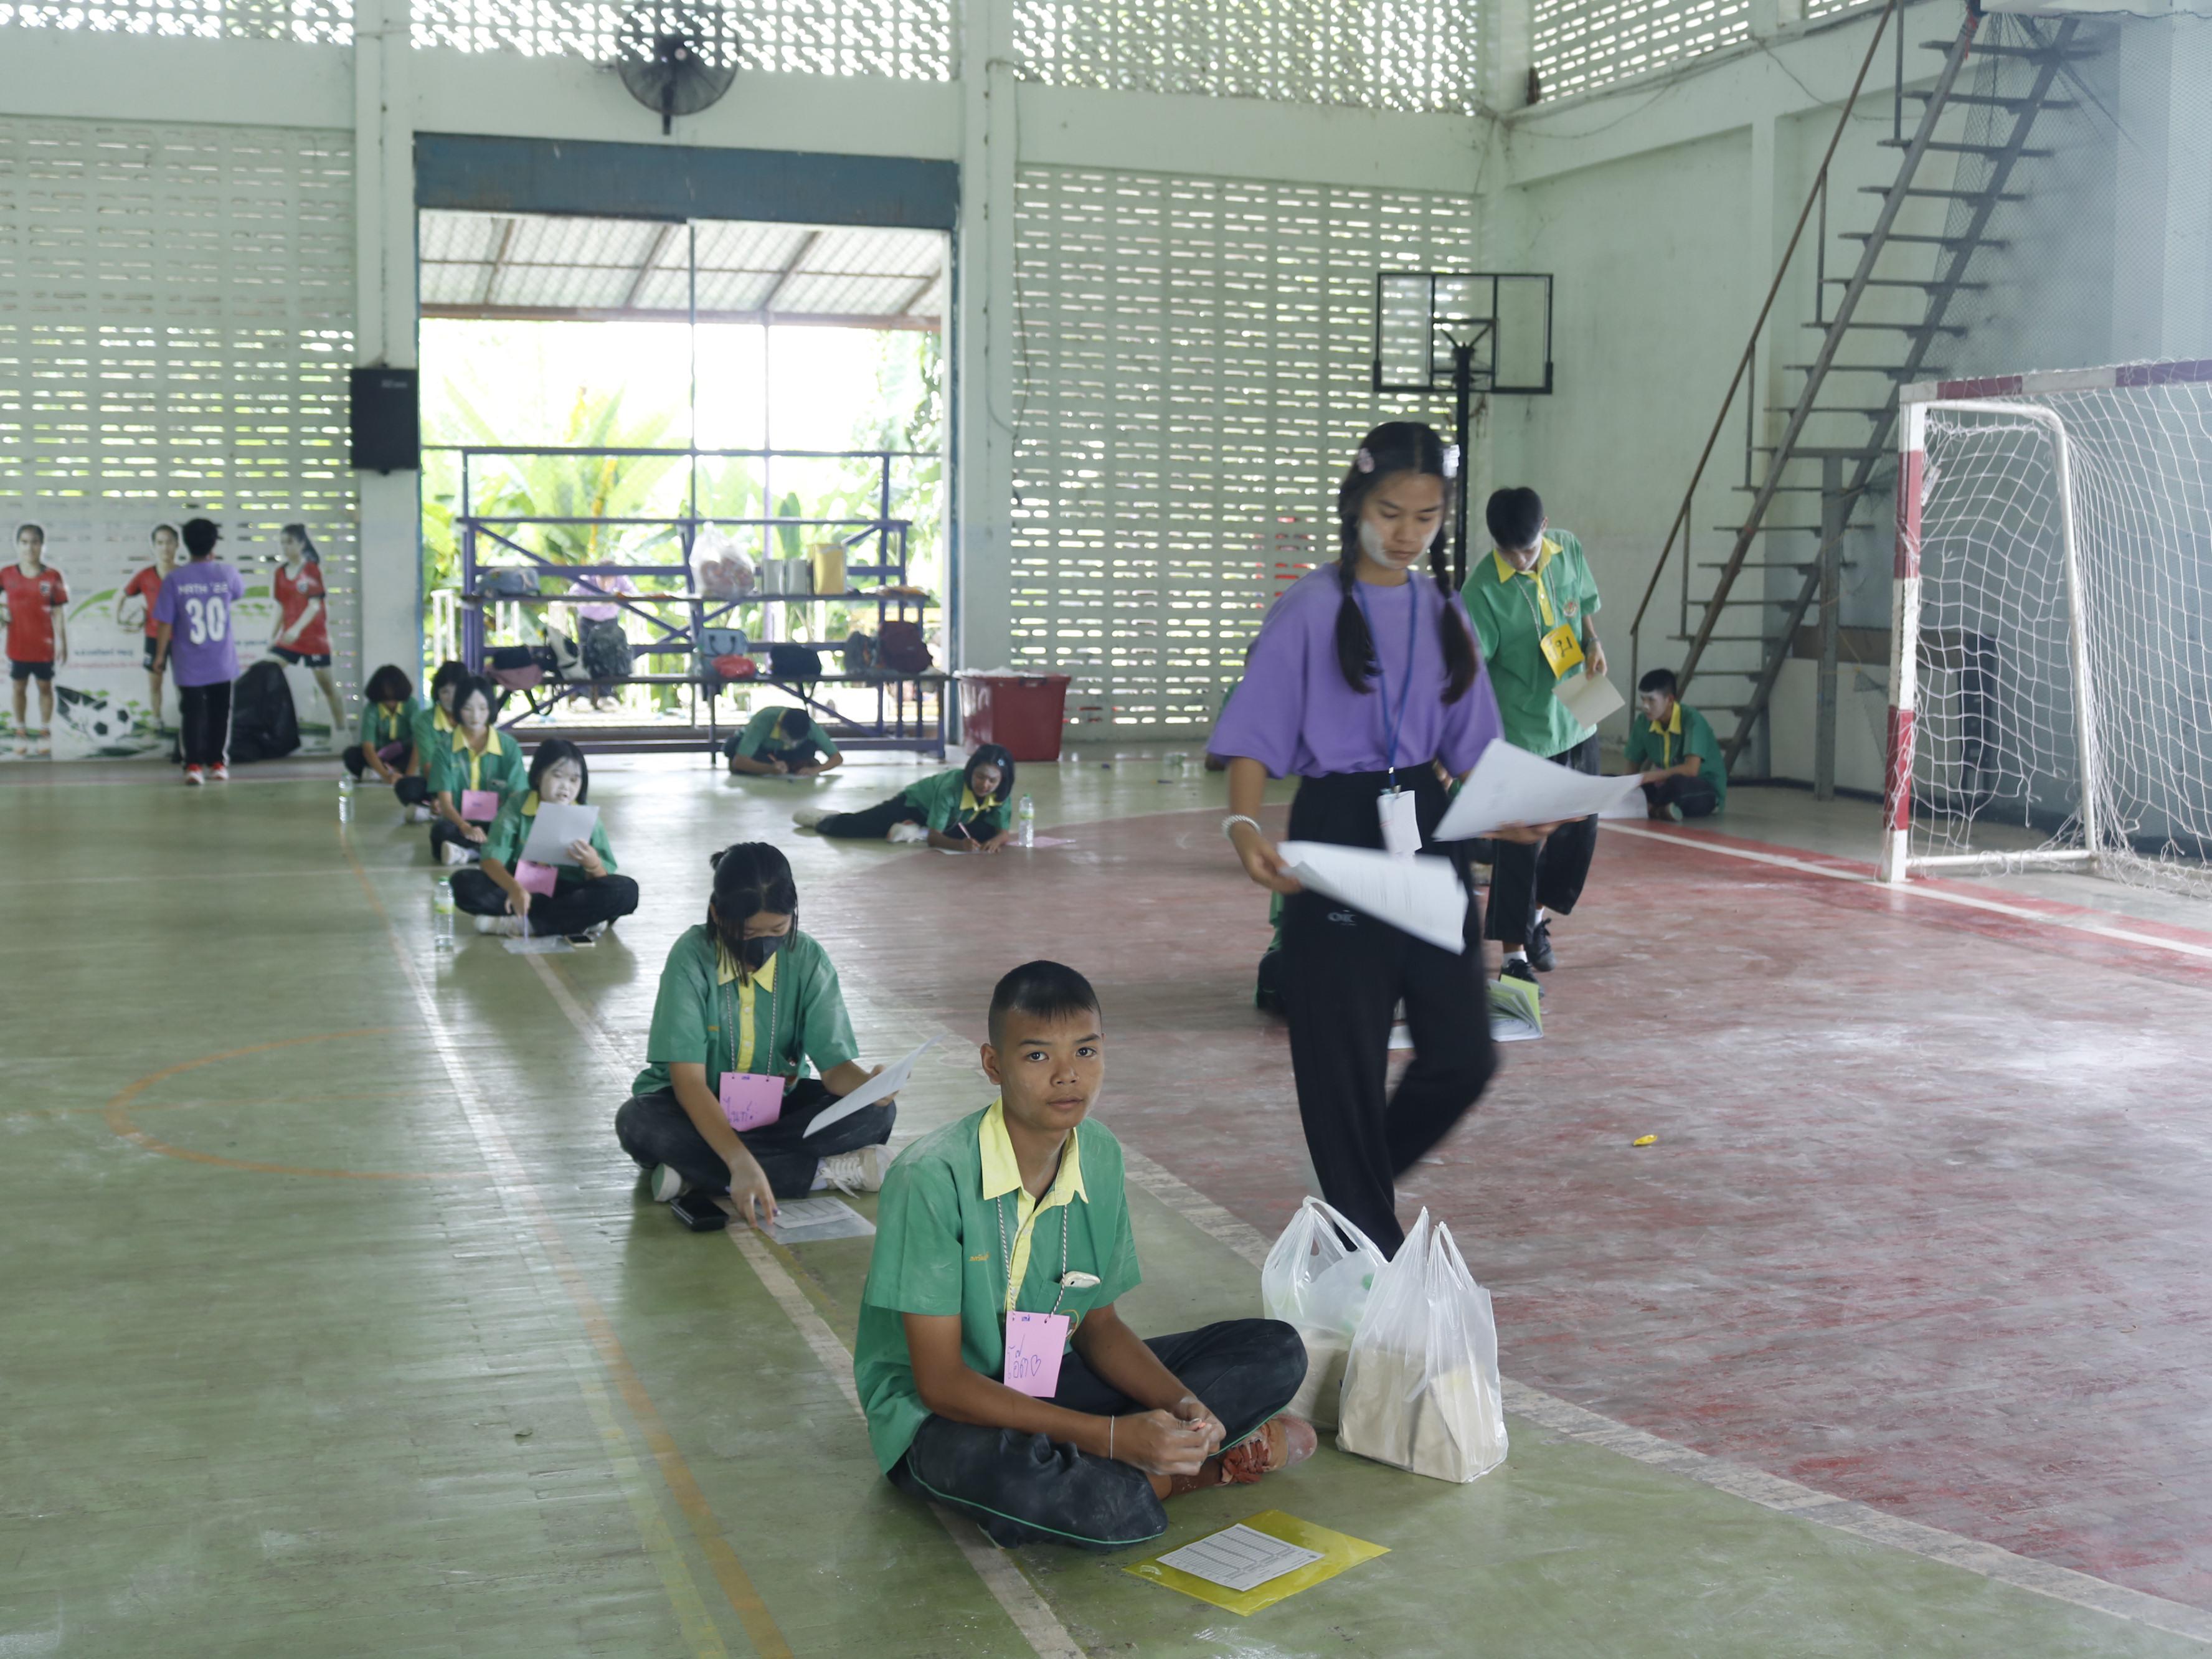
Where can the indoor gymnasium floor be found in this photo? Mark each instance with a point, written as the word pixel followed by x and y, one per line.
pixel 336 1324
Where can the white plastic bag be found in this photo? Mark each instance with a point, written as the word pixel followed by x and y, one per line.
pixel 1317 1282
pixel 1420 1389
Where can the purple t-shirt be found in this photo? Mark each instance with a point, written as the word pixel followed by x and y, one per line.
pixel 1295 714
pixel 197 602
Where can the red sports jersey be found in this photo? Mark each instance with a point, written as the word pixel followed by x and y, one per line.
pixel 293 597
pixel 31 602
pixel 146 585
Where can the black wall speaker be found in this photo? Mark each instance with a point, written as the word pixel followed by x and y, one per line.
pixel 388 420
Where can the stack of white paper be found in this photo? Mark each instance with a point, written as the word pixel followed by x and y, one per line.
pixel 1511 786
pixel 1419 896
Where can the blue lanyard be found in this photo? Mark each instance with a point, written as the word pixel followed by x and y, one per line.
pixel 1406 686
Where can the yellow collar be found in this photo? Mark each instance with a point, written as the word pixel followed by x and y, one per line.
pixel 968 801
pixel 1002 1171
pixel 530 804
pixel 461 741
pixel 439 719
pixel 726 967
pixel 1674 726
pixel 1506 571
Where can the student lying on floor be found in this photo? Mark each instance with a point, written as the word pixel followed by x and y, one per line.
pixel 587 896
pixel 745 1001
pixel 1019 1208
pixel 963 811
pixel 779 743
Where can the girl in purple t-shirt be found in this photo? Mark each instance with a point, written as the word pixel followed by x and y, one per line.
pixel 192 618
pixel 1365 683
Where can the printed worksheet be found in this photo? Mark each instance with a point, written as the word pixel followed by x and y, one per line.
pixel 810 1220
pixel 1511 786
pixel 1239 1558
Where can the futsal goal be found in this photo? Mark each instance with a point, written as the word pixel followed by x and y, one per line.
pixel 2050 644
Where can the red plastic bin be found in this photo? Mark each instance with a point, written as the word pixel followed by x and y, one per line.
pixel 1022 714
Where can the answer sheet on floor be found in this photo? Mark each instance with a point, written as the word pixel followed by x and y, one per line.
pixel 811 1220
pixel 1239 1558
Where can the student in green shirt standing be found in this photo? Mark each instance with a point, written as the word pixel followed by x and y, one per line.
pixel 1534 604
pixel 963 811
pixel 1673 745
pixel 996 1371
pixel 724 1102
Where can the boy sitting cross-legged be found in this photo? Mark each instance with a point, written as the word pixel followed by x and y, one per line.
pixel 1016 1212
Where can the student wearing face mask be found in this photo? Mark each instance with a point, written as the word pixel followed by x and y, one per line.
pixel 431 730
pixel 746 1003
pixel 1364 683
pixel 477 760
pixel 965 809
pixel 588 897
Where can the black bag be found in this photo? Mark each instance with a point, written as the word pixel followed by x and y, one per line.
pixel 606 650
pixel 793 662
pixel 862 655
pixel 263 725
pixel 513 656
pixel 511 584
pixel 904 650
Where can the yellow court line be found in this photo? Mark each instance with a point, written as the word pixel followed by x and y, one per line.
pixel 511 1178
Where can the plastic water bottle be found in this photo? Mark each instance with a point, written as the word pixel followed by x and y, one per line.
pixel 345 798
pixel 1025 823
pixel 441 915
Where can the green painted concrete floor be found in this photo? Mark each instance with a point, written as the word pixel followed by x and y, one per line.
pixel 336 1323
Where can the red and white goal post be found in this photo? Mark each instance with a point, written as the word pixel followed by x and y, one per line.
pixel 2051 643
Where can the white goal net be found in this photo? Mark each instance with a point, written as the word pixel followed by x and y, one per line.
pixel 2059 709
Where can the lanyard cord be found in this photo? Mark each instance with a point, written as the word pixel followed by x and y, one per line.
pixel 1536 577
pixel 730 1021
pixel 1405 685
pixel 1006 1254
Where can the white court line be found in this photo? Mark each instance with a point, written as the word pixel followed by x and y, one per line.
pixel 1767 1491
pixel 1969 901
pixel 1039 1626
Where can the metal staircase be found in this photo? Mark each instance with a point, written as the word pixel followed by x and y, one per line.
pixel 1852 402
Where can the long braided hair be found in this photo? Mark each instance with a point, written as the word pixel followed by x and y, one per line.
pixel 1393 447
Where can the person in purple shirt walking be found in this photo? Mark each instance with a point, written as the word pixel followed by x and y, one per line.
pixel 1366 684
pixel 192 628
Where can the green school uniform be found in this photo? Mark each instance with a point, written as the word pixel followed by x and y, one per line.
pixel 510 833
pixel 1512 611
pixel 939 1250
pixel 378 728
pixel 455 768
pixel 944 800
pixel 1687 732
pixel 767 727
pixel 432 730
pixel 774 1021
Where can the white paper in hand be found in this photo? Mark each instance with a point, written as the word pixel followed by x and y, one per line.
pixel 1511 786
pixel 1418 896
pixel 1588 700
pixel 554 827
pixel 889 1081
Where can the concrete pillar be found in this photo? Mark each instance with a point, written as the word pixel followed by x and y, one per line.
pixel 2162 257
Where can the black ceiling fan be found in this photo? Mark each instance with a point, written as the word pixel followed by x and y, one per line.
pixel 677 59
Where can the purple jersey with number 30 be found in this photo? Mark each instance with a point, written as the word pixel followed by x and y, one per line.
pixel 198 601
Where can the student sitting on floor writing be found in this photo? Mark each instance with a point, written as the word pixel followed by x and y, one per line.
pixel 478 760
pixel 745 1001
pixel 432 731
pixel 1673 745
pixel 1017 1211
pixel 385 740
pixel 587 895
pixel 783 743
pixel 963 811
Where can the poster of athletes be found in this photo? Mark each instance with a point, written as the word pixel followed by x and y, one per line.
pixel 78 588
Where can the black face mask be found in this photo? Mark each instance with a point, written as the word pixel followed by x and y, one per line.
pixel 754 952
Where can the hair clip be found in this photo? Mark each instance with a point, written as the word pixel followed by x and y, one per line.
pixel 1451 460
pixel 1364 461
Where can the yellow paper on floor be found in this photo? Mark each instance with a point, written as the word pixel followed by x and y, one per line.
pixel 1336 1550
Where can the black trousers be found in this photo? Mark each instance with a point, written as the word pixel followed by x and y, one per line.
pixel 870 823
pixel 1342 975
pixel 393 754
pixel 1694 796
pixel 1523 877
pixel 204 723
pixel 655 1129
pixel 413 790
pixel 568 909
pixel 442 833
pixel 1026 1488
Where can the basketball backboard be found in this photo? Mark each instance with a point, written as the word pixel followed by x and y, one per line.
pixel 1425 320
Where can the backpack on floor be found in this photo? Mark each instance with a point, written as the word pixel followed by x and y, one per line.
pixel 606 648
pixel 904 650
pixel 263 725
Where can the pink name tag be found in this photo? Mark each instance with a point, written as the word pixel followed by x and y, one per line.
pixel 534 878
pixel 479 805
pixel 750 1100
pixel 1035 1342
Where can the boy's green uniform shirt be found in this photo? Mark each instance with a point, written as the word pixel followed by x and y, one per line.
pixel 455 768
pixel 510 833
pixel 798 1013
pixel 767 724
pixel 1511 611
pixel 944 800
pixel 1684 732
pixel 378 728
pixel 938 1252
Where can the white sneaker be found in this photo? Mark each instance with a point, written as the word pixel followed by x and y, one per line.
pixel 857 1172
pixel 454 853
pixel 196 776
pixel 909 834
pixel 808 818
pixel 597 931
pixel 667 1185
pixel 419 815
pixel 506 926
